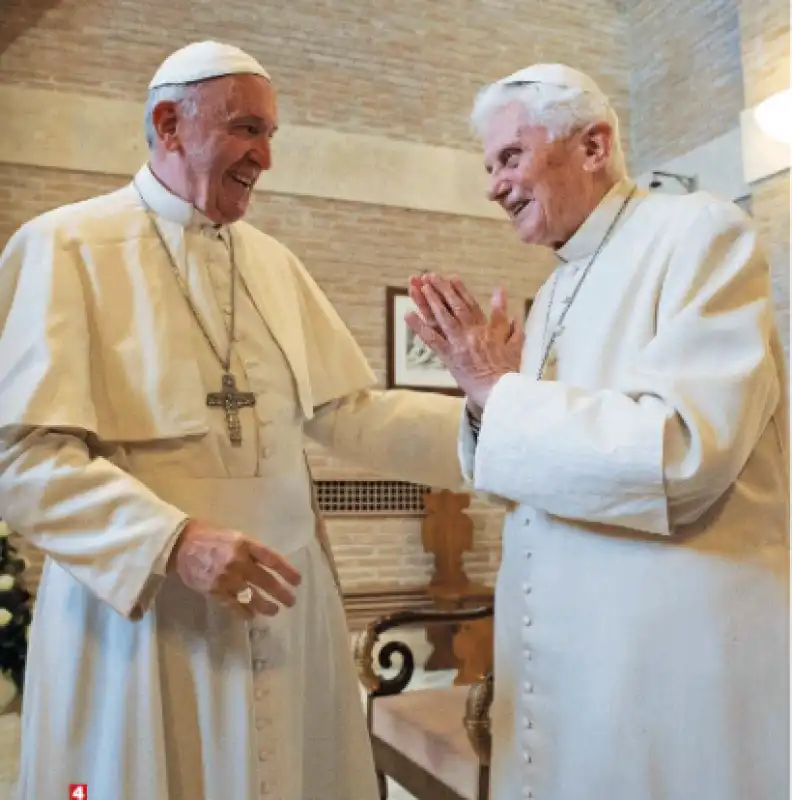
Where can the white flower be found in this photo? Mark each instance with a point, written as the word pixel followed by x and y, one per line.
pixel 5 617
pixel 6 583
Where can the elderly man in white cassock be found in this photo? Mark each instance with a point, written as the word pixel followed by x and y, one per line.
pixel 160 361
pixel 638 437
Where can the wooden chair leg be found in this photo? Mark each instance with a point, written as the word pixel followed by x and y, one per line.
pixel 382 785
pixel 483 783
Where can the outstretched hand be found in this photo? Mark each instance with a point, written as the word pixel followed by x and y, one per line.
pixel 225 564
pixel 477 351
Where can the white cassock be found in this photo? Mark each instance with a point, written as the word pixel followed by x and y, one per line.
pixel 136 685
pixel 642 633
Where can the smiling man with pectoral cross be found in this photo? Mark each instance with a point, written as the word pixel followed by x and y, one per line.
pixel 160 362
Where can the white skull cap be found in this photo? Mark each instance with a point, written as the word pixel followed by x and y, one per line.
pixel 202 61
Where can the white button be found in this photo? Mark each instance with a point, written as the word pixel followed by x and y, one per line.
pixel 259 664
pixel 260 724
pixel 258 694
pixel 527 553
pixel 527 724
pixel 529 688
pixel 527 621
pixel 526 522
pixel 265 452
pixel 526 588
pixel 527 758
pixel 528 655
pixel 263 755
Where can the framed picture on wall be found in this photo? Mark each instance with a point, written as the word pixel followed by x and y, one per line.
pixel 409 363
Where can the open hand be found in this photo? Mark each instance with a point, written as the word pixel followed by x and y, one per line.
pixel 224 564
pixel 476 350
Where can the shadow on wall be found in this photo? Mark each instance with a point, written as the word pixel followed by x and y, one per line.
pixel 24 16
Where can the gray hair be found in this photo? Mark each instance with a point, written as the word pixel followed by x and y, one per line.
pixel 183 95
pixel 559 109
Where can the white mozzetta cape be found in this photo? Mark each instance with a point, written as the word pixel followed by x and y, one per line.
pixel 123 369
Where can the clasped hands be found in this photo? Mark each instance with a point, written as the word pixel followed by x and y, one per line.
pixel 476 350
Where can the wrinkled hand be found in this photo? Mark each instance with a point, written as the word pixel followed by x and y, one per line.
pixel 477 351
pixel 221 563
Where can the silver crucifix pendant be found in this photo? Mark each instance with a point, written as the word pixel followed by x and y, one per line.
pixel 231 400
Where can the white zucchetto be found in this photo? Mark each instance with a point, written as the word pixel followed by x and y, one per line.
pixel 202 61
pixel 554 75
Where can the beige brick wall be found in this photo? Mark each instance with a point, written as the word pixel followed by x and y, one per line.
pixel 685 76
pixel 405 70
pixel 764 41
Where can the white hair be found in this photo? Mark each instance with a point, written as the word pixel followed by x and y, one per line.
pixel 559 109
pixel 182 94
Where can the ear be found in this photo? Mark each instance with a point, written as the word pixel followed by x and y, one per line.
pixel 597 141
pixel 165 117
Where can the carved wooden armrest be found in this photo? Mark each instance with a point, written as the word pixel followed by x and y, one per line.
pixel 375 684
pixel 477 717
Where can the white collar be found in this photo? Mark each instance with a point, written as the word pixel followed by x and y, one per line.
pixel 166 204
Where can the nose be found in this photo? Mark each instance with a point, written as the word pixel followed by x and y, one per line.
pixel 261 153
pixel 498 188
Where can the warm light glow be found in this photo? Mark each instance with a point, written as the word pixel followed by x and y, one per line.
pixel 774 116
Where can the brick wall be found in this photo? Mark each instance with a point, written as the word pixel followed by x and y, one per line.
pixel 404 70
pixel 764 40
pixel 407 70
pixel 685 76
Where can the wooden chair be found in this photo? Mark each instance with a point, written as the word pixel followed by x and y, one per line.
pixel 433 742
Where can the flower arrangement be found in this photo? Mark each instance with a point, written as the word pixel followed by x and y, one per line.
pixel 15 616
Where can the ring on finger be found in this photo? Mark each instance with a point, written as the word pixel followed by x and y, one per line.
pixel 245 596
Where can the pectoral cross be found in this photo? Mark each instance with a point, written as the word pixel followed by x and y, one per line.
pixel 231 400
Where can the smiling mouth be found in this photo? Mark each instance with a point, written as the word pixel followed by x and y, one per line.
pixel 243 181
pixel 517 208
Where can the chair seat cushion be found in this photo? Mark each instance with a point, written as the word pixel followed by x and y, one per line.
pixel 427 727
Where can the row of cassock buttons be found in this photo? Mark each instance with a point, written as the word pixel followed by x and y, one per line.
pixel 527 792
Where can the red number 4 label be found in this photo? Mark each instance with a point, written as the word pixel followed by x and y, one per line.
pixel 78 791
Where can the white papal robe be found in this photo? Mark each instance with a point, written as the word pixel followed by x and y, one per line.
pixel 136 685
pixel 642 603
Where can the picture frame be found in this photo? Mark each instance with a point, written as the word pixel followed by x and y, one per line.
pixel 409 364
